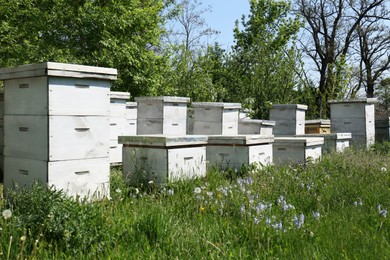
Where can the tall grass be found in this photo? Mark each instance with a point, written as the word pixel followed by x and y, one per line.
pixel 336 208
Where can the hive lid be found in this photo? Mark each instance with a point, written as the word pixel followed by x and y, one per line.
pixel 300 140
pixel 131 104
pixel 317 122
pixel 119 95
pixel 257 121
pixel 290 106
pixel 58 70
pixel 170 99
pixel 217 104
pixel 336 136
pixel 162 141
pixel 239 139
pixel 358 100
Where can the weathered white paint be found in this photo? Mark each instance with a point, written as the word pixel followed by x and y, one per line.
pixel 254 126
pixel 289 119
pixel 162 159
pixel 56 138
pixel 234 151
pixel 215 118
pixel 58 69
pixel 356 116
pixel 333 141
pixel 74 177
pixel 297 150
pixel 162 115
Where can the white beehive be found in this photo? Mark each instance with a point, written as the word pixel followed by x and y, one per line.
pixel 254 126
pixel 162 159
pixel 297 150
pixel 355 116
pixel 56 127
pixel 215 118
pixel 289 119
pixel 234 151
pixel 337 142
pixel 382 130
pixel 131 117
pixel 118 124
pixel 162 115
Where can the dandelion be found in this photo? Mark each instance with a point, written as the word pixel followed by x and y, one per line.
pixel 7 213
pixel 383 169
pixel 197 190
pixel 23 238
pixel 316 215
pixel 118 190
pixel 202 210
pixel 151 182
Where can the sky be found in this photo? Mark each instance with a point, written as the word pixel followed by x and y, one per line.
pixel 222 18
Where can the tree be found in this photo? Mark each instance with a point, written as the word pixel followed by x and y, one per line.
pixel 263 60
pixel 374 49
pixel 331 27
pixel 185 45
pixel 123 34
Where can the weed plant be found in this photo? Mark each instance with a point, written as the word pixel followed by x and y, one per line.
pixel 335 208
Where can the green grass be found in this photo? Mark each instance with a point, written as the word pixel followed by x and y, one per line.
pixel 336 208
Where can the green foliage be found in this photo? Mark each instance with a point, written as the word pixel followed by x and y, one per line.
pixel 263 63
pixel 336 208
pixel 121 34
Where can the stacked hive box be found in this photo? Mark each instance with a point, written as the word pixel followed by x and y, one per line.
pixel 118 124
pixel 162 115
pixel 297 149
pixel 234 151
pixel 319 126
pixel 131 117
pixel 56 127
pixel 356 116
pixel 289 119
pixel 333 142
pixel 215 118
pixel 382 130
pixel 162 159
pixel 255 127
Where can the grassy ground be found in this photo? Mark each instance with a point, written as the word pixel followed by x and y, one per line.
pixel 336 208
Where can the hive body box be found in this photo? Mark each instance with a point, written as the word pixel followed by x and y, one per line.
pixel 131 117
pixel 215 118
pixel 118 124
pixel 163 158
pixel 319 126
pixel 56 127
pixel 333 142
pixel 355 116
pixel 162 115
pixel 255 127
pixel 289 119
pixel 297 150
pixel 235 151
pixel 382 130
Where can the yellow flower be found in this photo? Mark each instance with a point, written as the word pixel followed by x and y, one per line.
pixel 202 210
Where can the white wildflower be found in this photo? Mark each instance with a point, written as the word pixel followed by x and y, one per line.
pixel 383 169
pixel 197 190
pixel 7 213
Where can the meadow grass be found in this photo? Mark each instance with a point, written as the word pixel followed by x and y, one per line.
pixel 335 208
